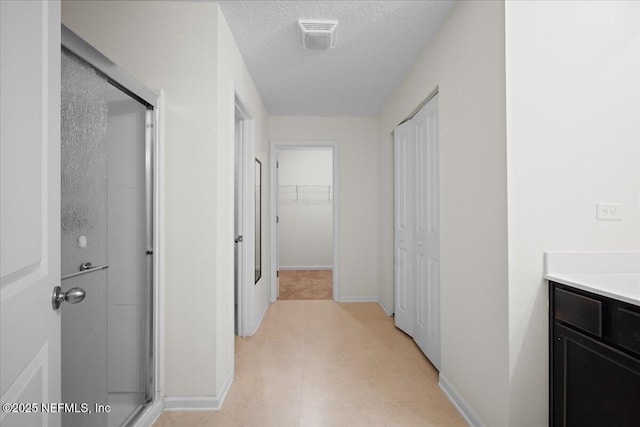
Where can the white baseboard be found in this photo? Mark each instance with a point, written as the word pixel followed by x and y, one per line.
pixel 150 415
pixel 463 407
pixel 368 299
pixel 198 403
pixel 306 267
pixel 225 389
pixel 257 325
pixel 385 307
pixel 358 299
pixel 191 403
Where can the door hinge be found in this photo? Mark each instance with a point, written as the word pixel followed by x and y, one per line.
pixel 277 219
pixel 149 125
pixel 277 273
pixel 277 164
pixel 238 239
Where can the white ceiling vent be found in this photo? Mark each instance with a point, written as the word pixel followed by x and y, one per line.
pixel 318 34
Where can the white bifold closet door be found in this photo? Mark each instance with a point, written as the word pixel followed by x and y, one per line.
pixel 417 230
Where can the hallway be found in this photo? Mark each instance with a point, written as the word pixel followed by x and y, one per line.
pixel 318 363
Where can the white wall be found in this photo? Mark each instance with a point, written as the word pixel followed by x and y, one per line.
pixel 195 61
pixel 184 64
pixel 305 209
pixel 234 79
pixel 355 139
pixel 573 107
pixel 465 61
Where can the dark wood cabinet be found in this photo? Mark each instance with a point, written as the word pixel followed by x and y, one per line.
pixel 594 360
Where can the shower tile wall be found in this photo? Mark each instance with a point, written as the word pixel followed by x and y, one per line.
pixel 127 255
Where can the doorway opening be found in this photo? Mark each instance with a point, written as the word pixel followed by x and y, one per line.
pixel 305 221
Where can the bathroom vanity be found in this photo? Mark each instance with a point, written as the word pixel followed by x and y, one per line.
pixel 594 335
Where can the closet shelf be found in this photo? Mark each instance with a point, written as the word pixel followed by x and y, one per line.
pixel 302 193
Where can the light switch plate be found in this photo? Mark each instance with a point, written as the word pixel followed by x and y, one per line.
pixel 609 211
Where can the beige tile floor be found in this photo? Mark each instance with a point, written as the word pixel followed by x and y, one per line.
pixel 319 363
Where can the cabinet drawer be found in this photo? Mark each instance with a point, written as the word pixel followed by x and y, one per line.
pixel 628 329
pixel 577 310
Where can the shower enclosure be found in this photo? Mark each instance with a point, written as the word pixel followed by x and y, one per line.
pixel 107 240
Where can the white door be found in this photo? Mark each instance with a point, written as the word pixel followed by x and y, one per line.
pixel 427 233
pixel 277 233
pixel 237 229
pixel 30 209
pixel 404 160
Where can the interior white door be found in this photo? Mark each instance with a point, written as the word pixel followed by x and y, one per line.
pixel 277 231
pixel 30 210
pixel 427 233
pixel 237 228
pixel 404 160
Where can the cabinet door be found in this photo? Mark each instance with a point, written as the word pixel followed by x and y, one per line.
pixel 593 384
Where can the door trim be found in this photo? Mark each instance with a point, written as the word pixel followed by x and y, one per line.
pixel 276 145
pixel 155 156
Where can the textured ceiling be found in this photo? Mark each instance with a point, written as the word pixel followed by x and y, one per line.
pixel 377 42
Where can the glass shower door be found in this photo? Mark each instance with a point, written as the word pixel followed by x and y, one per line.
pixel 129 253
pixel 106 339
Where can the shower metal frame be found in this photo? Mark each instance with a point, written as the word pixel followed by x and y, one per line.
pixel 152 101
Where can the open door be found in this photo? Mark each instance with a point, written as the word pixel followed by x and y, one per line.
pixel 244 220
pixel 30 211
pixel 238 223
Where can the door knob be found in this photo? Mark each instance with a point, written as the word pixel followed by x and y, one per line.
pixel 72 296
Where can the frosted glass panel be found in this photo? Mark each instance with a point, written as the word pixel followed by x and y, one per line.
pixel 84 238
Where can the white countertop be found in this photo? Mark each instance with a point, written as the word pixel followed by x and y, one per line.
pixel 611 274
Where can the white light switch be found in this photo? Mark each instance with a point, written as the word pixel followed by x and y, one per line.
pixel 609 212
pixel 82 241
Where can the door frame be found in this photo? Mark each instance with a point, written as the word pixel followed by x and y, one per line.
pixel 276 146
pixel 245 270
pixel 154 158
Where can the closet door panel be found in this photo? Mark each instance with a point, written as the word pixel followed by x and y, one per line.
pixel 404 155
pixel 417 230
pixel 425 254
pixel 421 319
pixel 430 234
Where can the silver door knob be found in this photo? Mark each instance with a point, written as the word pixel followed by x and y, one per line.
pixel 72 296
